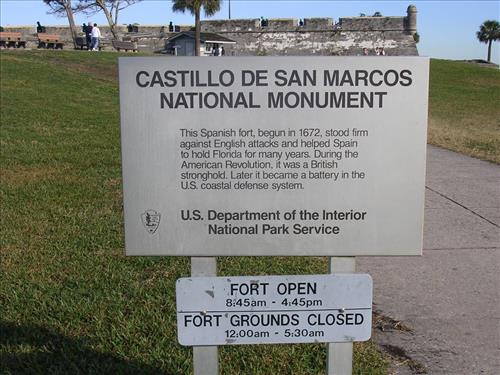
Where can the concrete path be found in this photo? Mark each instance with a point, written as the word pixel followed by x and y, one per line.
pixel 450 297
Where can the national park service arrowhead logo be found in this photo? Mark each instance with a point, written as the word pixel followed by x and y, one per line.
pixel 151 220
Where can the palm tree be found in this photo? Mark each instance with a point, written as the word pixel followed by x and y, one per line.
pixel 194 6
pixel 488 32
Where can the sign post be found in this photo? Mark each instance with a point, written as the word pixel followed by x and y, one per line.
pixel 205 358
pixel 339 355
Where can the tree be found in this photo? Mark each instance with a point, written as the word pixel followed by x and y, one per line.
pixel 63 8
pixel 110 8
pixel 488 32
pixel 210 7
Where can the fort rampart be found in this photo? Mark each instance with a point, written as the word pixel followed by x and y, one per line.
pixel 282 36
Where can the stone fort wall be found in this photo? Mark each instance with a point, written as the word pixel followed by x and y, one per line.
pixel 283 36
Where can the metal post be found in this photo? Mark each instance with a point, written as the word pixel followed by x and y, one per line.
pixel 205 358
pixel 339 355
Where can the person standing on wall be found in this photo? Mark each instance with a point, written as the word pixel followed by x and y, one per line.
pixel 95 35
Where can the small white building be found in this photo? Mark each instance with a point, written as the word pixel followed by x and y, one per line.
pixel 183 44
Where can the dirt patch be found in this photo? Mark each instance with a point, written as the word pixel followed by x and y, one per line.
pixel 386 323
pixel 11 58
pixel 482 63
pixel 104 72
pixel 399 355
pixel 114 183
pixel 22 175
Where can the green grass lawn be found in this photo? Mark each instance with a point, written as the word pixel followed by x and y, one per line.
pixel 70 301
pixel 464 110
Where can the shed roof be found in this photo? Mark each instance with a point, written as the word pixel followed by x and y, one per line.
pixel 205 37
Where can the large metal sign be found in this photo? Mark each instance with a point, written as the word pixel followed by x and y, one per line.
pixel 274 155
pixel 274 309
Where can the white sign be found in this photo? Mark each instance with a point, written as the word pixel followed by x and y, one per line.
pixel 274 309
pixel 274 155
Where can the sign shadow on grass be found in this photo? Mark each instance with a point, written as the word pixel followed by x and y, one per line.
pixel 36 349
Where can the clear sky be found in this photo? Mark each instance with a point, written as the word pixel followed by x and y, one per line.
pixel 447 28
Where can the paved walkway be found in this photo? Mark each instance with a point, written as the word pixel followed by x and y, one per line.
pixel 450 297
